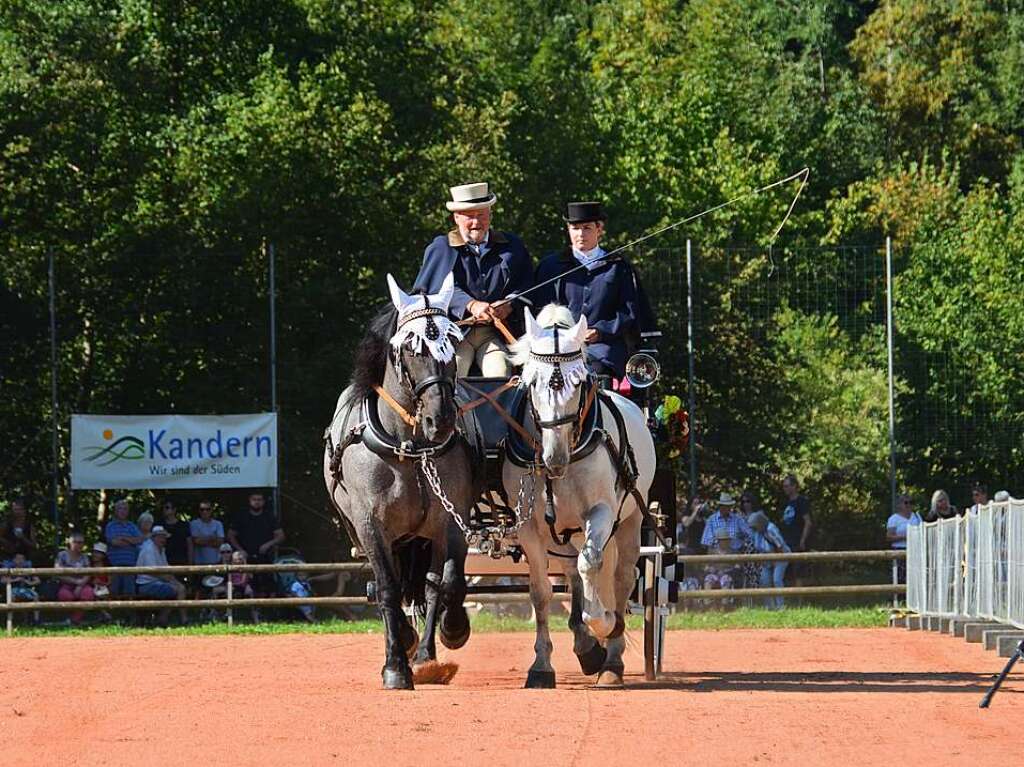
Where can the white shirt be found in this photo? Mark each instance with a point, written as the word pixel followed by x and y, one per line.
pixel 589 258
pixel 899 524
pixel 150 555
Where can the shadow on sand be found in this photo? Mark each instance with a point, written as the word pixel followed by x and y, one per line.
pixel 824 681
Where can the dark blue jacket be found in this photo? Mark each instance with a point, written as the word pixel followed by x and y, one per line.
pixel 610 297
pixel 504 268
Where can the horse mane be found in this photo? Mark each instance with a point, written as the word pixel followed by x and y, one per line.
pixel 550 316
pixel 372 354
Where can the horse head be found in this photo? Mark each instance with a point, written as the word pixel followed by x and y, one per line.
pixel 423 357
pixel 553 356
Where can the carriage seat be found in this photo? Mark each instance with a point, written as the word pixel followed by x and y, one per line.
pixel 491 425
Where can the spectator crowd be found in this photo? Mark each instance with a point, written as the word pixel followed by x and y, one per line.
pixel 252 535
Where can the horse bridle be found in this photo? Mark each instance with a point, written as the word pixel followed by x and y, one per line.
pixel 556 383
pixel 417 388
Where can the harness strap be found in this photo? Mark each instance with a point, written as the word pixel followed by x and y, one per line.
pixel 491 397
pixel 503 329
pixel 583 415
pixel 393 404
pixel 484 397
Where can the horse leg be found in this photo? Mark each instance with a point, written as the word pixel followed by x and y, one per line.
pixel 427 649
pixel 396 673
pixel 627 544
pixel 541 673
pixel 598 528
pixel 454 623
pixel 588 650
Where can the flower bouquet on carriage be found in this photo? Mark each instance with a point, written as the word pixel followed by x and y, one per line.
pixel 672 429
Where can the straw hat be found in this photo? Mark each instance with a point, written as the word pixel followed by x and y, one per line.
pixel 99 548
pixel 471 197
pixel 726 500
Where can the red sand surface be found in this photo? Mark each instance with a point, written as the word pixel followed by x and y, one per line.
pixel 809 697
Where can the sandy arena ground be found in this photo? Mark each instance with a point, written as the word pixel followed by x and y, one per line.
pixel 808 697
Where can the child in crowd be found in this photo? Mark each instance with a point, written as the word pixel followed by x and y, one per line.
pixel 98 558
pixel 241 583
pixel 23 587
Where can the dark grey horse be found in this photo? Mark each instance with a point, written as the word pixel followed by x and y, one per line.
pixel 401 475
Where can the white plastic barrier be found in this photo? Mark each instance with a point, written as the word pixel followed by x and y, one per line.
pixel 971 565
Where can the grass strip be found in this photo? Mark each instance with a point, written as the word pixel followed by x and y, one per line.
pixel 741 618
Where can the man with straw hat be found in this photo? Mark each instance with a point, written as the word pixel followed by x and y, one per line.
pixel 735 525
pixel 488 266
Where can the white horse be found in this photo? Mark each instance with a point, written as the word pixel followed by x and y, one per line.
pixel 597 516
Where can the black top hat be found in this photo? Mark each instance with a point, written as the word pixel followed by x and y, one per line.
pixel 582 212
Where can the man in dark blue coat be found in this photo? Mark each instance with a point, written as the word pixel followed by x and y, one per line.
pixel 605 290
pixel 488 266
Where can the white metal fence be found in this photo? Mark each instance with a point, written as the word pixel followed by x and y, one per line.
pixel 969 566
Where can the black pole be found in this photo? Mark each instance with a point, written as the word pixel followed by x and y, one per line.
pixel 1017 655
pixel 271 257
pixel 690 375
pixel 54 425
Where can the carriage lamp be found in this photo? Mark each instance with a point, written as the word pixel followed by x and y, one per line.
pixel 642 370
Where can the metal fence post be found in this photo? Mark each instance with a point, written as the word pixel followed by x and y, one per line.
pixel 895 581
pixel 10 613
pixel 231 596
pixel 690 375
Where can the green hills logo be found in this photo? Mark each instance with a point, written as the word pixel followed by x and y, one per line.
pixel 126 448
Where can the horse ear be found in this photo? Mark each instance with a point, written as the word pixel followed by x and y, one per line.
pixel 398 296
pixel 532 330
pixel 447 291
pixel 579 330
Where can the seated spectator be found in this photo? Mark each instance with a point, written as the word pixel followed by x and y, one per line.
pixel 18 535
pixel 738 530
pixel 941 508
pixel 179 532
pixel 896 530
pixel 207 535
pixel 768 540
pixel 145 524
pixel 241 583
pixel 74 588
pixel 123 538
pixel 98 558
pixel 257 532
pixel 721 576
pixel 157 586
pixel 23 587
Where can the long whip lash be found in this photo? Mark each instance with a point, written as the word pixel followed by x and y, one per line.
pixel 802 174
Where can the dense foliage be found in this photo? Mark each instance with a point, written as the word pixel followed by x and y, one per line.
pixel 156 146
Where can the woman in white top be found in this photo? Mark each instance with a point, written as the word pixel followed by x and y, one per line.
pixel 896 531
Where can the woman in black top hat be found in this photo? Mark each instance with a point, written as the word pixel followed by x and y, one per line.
pixel 606 291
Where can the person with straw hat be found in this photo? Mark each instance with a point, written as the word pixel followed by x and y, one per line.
pixel 606 290
pixel 725 518
pixel 488 266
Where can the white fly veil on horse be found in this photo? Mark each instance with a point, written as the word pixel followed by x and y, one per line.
pixel 553 357
pixel 423 321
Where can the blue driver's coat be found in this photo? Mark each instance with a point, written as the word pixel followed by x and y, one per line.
pixel 610 297
pixel 504 268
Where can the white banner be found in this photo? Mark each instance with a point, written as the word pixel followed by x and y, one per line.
pixel 173 451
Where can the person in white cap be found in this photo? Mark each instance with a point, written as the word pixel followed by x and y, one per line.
pixel 157 586
pixel 488 266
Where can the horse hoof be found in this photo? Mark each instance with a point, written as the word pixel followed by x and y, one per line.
pixel 592 660
pixel 610 679
pixel 397 679
pixel 600 626
pixel 540 680
pixel 454 628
